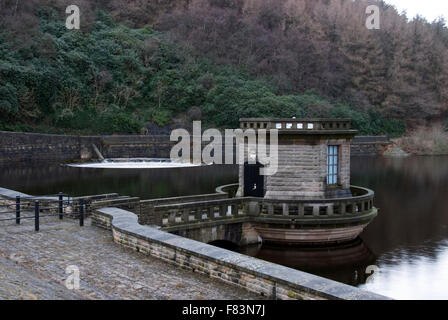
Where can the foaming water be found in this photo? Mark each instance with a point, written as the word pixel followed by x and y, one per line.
pixel 140 163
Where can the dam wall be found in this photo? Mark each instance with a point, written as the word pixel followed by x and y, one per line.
pixel 25 147
pixel 19 146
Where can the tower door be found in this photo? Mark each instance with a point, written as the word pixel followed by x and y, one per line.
pixel 253 180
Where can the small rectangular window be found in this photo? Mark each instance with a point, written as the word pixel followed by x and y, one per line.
pixel 310 126
pixel 278 125
pixel 300 126
pixel 332 165
pixel 288 125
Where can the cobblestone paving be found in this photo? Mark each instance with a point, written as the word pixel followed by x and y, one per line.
pixel 33 264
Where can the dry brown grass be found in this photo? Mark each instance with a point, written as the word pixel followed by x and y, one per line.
pixel 425 141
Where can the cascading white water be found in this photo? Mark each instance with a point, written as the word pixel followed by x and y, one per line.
pixel 134 163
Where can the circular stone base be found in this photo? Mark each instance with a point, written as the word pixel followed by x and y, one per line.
pixel 309 236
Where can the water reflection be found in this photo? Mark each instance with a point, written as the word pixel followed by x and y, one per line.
pixel 420 273
pixel 145 183
pixel 410 235
pixel 412 195
pixel 408 240
pixel 345 263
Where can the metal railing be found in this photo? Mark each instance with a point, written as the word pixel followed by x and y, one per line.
pixel 49 205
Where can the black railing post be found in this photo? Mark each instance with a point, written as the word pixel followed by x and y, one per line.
pixel 18 210
pixel 36 215
pixel 81 212
pixel 61 205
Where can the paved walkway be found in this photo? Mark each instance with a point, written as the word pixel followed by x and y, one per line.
pixel 33 264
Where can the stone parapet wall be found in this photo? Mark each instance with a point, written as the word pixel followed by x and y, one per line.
pixel 146 208
pixel 258 276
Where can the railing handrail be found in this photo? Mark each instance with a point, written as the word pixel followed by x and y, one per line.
pixel 59 208
pixel 205 203
pixel 170 199
pixel 369 194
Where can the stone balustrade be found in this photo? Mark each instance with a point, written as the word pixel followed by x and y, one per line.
pixel 360 203
pixel 198 212
pixel 292 124
pixel 175 215
pixel 146 212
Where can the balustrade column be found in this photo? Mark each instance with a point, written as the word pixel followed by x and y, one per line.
pixel 172 217
pixel 301 210
pixel 211 213
pixel 330 211
pixel 198 215
pixel 270 209
pixel 343 208
pixel 186 215
pixel 222 210
pixel 285 209
pixel 234 210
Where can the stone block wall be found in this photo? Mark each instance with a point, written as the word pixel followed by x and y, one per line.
pixel 302 169
pixel 136 146
pixel 18 146
pixel 368 149
pixel 258 276
pixel 369 145
pixel 301 172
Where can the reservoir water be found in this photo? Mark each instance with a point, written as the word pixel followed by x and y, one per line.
pixel 406 246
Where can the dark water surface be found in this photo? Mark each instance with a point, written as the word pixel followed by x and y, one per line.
pixel 407 242
pixel 38 179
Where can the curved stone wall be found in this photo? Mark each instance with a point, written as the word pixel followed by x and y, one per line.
pixel 258 276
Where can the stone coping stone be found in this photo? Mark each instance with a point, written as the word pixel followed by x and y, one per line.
pixel 127 222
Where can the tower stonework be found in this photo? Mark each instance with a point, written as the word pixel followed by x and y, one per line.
pixel 313 159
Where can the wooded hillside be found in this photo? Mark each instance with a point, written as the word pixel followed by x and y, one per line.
pixel 163 61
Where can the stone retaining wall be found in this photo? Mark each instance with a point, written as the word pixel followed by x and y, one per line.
pixel 369 146
pixel 258 276
pixel 19 146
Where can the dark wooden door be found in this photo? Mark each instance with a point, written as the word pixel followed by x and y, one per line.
pixel 253 180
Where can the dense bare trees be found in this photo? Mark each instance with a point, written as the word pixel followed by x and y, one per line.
pixel 324 44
